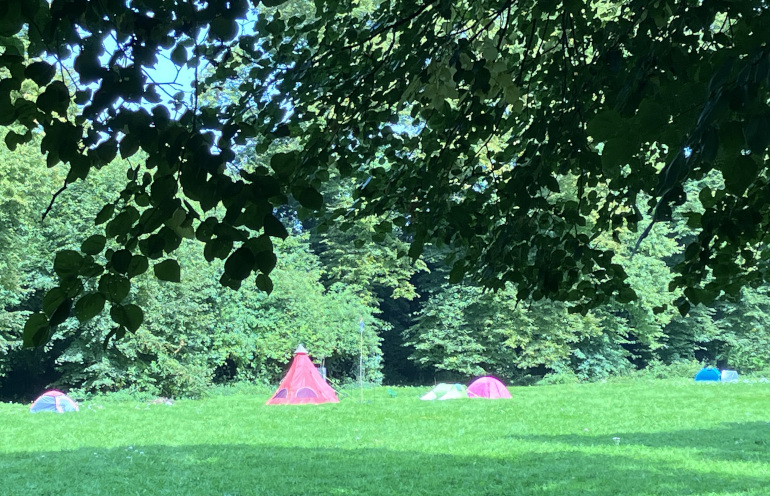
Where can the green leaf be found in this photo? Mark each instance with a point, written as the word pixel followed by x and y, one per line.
pixel 229 282
pixel 224 29
pixel 122 223
pixel 11 22
pixel 12 140
pixel 626 295
pixel 107 151
pixel 89 306
pixel 416 249
pixel 115 287
pixel 93 245
pixel 67 263
pixel 167 270
pixel 36 331
pixel 117 333
pixel 615 154
pixel 739 174
pixel 284 163
pixel 683 306
pixel 651 117
pixel 105 214
pixel 217 248
pixel 40 72
pixel 171 240
pixel 129 145
pixel 90 268
pixel 120 261
pixel 265 261
pixel 163 187
pixel 282 131
pixel 757 133
pixel 240 264
pixel 264 283
pixel 137 266
pixel 274 227
pixel 151 94
pixel 56 98
pixel 152 247
pixel 457 273
pixel 62 313
pixel 605 125
pixel 83 96
pixel 53 299
pixel 310 198
pixel 129 316
pixel 7 111
pixel 260 244
pixel 179 55
pixel 205 230
pixel 73 286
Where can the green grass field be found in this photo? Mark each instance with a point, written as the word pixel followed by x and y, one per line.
pixel 605 439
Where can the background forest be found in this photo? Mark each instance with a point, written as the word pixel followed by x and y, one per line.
pixel 417 326
pixel 380 156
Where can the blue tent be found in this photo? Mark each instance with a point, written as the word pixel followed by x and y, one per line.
pixel 708 374
pixel 54 401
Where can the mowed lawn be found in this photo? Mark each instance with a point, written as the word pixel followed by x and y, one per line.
pixel 624 438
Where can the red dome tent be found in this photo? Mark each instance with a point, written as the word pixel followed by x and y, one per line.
pixel 488 387
pixel 53 401
pixel 303 384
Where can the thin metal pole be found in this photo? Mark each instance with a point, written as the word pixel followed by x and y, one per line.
pixel 361 360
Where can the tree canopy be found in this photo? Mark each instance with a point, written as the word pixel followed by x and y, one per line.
pixel 515 135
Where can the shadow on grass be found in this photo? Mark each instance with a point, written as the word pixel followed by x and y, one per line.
pixel 728 442
pixel 240 470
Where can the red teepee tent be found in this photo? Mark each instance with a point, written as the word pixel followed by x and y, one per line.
pixel 303 384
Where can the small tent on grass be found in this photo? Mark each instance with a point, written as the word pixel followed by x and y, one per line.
pixel 53 401
pixel 708 374
pixel 729 376
pixel 488 387
pixel 303 384
pixel 445 391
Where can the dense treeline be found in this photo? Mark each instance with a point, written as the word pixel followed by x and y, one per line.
pixel 469 331
pixel 196 332
pixel 520 145
pixel 417 326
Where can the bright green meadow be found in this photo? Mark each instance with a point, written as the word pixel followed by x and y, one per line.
pixel 605 439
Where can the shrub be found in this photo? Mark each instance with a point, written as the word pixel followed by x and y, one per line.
pixel 656 369
pixel 566 376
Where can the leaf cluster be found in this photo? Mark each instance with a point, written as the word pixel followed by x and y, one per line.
pixel 457 121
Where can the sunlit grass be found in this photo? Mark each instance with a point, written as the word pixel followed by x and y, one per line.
pixel 634 438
